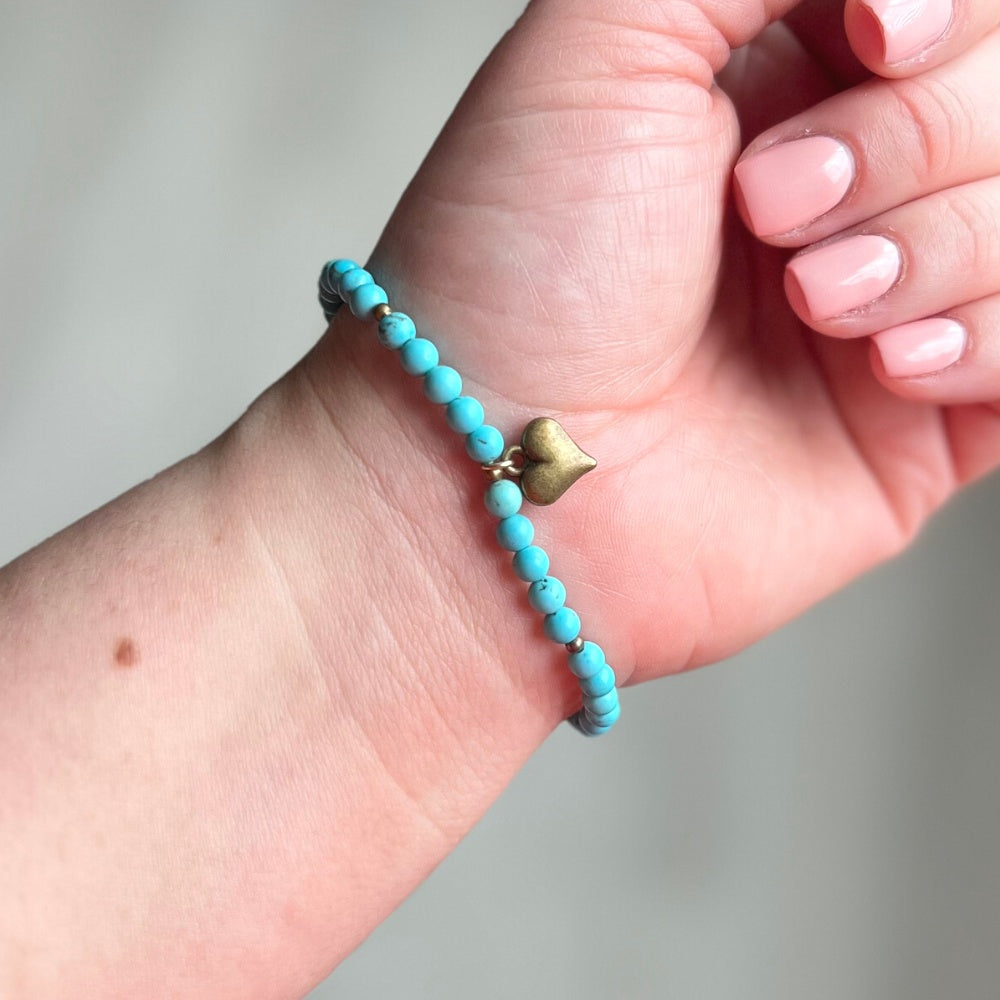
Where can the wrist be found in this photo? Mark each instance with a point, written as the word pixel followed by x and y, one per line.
pixel 434 681
pixel 400 546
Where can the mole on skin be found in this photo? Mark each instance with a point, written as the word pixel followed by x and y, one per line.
pixel 126 655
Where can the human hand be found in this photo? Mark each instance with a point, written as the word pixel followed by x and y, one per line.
pixel 569 244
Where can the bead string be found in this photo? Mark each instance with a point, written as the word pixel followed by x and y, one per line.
pixel 343 281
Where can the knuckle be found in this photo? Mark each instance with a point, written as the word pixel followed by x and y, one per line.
pixel 939 122
pixel 972 212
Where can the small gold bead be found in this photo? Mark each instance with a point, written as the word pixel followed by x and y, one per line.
pixel 493 473
pixel 381 310
pixel 576 645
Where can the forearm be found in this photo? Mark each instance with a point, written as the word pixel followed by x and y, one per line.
pixel 250 704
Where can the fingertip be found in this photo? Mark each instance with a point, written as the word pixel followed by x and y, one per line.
pixel 923 347
pixel 796 296
pixel 864 32
pixel 742 209
pixel 927 361
pixel 893 37
pixel 781 189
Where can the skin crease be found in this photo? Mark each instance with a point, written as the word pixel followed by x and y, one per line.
pixel 334 652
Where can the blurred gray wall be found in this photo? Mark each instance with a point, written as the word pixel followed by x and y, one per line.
pixel 818 818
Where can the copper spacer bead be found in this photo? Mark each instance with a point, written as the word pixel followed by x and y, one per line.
pixel 382 309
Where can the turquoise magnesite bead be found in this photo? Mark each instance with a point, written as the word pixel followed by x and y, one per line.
pixel 442 384
pixel 464 415
pixel 606 719
pixel 484 444
pixel 418 356
pixel 395 330
pixel 531 564
pixel 515 533
pixel 329 302
pixel 329 279
pixel 341 266
pixel 350 280
pixel 562 625
pixel 588 661
pixel 600 683
pixel 599 724
pixel 503 498
pixel 365 298
pixel 330 276
pixel 547 595
pixel 585 726
pixel 600 704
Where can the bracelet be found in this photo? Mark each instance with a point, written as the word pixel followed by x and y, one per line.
pixel 540 469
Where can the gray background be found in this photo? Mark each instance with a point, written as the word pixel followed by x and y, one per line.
pixel 817 818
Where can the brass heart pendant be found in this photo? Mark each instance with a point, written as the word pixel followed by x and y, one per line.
pixel 552 461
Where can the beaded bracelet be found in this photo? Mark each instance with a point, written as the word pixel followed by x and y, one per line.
pixel 540 469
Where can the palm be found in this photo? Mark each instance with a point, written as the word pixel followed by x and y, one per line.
pixel 580 229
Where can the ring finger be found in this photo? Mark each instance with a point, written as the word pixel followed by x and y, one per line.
pixel 917 260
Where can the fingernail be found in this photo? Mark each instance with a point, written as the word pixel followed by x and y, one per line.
pixel 841 276
pixel 921 348
pixel 907 27
pixel 789 184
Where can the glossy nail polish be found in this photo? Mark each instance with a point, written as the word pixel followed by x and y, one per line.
pixel 841 276
pixel 907 27
pixel 922 347
pixel 786 186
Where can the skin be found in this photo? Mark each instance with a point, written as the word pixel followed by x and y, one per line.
pixel 241 731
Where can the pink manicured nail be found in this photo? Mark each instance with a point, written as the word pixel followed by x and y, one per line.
pixel 789 184
pixel 841 276
pixel 908 27
pixel 921 348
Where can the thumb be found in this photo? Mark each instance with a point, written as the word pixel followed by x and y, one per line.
pixel 564 233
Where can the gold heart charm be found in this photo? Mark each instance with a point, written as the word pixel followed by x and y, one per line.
pixel 553 462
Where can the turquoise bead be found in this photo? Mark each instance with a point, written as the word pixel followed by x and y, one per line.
pixel 329 279
pixel 588 661
pixel 442 384
pixel 606 719
pixel 353 279
pixel 597 725
pixel 418 356
pixel 600 704
pixel 600 683
pixel 562 625
pixel 503 498
pixel 547 595
pixel 329 303
pixel 341 266
pixel 464 415
pixel 515 533
pixel 484 444
pixel 365 298
pixel 395 330
pixel 531 564
pixel 585 726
